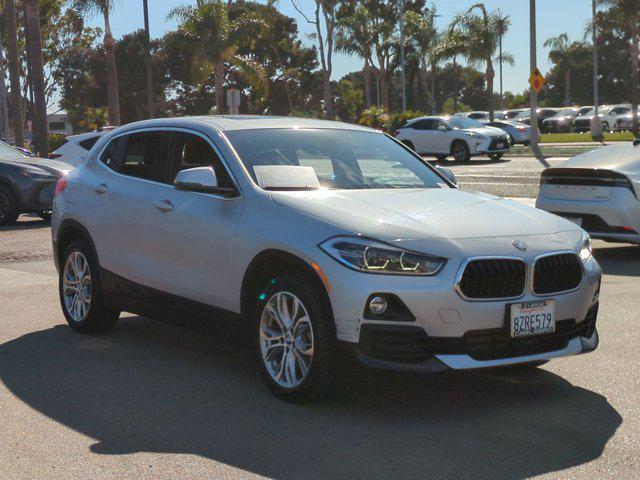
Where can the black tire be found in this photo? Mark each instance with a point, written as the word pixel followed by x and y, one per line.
pixel 408 144
pixel 98 318
pixel 496 156
pixel 460 151
pixel 45 215
pixel 9 210
pixel 320 372
pixel 441 158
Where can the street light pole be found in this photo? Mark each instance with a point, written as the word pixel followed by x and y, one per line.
pixel 402 62
pixel 533 95
pixel 147 47
pixel 596 125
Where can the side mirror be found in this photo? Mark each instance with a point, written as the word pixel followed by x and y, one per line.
pixel 442 128
pixel 200 179
pixel 448 174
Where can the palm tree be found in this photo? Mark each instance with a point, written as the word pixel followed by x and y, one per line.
pixel 34 49
pixel 14 70
pixel 452 44
pixel 354 36
pixel 561 55
pixel 502 25
pixel 482 33
pixel 215 38
pixel 104 7
pixel 625 15
pixel 424 36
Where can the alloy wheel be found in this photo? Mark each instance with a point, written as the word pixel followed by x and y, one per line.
pixel 286 339
pixel 76 286
pixel 459 153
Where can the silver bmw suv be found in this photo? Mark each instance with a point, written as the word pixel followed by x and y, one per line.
pixel 320 235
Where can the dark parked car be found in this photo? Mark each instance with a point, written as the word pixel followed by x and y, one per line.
pixel 560 122
pixel 27 184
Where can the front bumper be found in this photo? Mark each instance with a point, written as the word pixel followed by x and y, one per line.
pixel 409 349
pixel 490 146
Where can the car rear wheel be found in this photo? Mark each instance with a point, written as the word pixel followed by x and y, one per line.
pixel 460 151
pixel 8 207
pixel 81 291
pixel 294 339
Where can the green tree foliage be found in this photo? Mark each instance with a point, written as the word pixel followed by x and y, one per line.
pixel 349 101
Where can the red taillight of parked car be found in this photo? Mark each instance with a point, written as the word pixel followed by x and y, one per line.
pixel 60 186
pixel 54 155
pixel 521 128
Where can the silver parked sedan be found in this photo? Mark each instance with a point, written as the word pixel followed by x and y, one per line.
pixel 318 234
pixel 598 190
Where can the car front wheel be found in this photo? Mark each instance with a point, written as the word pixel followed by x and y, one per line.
pixel 81 292
pixel 460 151
pixel 8 207
pixel 295 341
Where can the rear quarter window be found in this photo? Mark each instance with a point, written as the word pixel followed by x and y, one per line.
pixel 88 143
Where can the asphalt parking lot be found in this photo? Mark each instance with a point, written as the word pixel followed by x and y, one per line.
pixel 178 399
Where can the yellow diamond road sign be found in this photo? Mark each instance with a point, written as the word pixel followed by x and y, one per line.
pixel 536 80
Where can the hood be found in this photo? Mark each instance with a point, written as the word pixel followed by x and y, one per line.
pixel 54 167
pixel 486 131
pixel 418 214
pixel 623 158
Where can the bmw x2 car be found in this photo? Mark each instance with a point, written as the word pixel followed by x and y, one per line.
pixel 320 235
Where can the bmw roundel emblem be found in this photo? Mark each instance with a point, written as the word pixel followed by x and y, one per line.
pixel 520 245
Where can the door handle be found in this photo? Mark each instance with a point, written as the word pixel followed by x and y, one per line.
pixel 101 189
pixel 164 206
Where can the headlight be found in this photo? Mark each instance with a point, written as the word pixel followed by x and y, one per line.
pixel 371 256
pixel 477 135
pixel 586 250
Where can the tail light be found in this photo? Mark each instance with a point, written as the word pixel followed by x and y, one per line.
pixel 54 155
pixel 60 186
pixel 521 128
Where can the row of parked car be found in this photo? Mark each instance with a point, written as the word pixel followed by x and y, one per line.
pixel 614 118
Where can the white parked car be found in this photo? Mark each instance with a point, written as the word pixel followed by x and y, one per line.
pixel 519 133
pixel 460 137
pixel 624 122
pixel 608 115
pixel 597 190
pixel 318 234
pixel 75 148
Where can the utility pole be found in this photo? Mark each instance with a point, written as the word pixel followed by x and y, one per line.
pixel 533 95
pixel 147 48
pixel 596 125
pixel 402 62
pixel 501 95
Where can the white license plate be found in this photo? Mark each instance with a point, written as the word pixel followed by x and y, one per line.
pixel 576 220
pixel 500 146
pixel 533 318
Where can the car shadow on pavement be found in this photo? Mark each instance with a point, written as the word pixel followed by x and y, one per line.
pixel 619 260
pixel 473 161
pixel 27 225
pixel 170 387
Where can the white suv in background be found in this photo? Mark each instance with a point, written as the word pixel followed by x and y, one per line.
pixel 318 234
pixel 75 148
pixel 460 137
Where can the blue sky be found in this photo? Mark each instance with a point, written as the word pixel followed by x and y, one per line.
pixel 553 17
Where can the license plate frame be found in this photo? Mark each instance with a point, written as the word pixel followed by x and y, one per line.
pixel 537 324
pixel 500 146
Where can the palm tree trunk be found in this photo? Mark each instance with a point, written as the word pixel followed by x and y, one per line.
pixel 14 71
pixel 567 88
pixel 434 71
pixel 218 80
pixel 455 85
pixel 113 100
pixel 384 93
pixel 634 83
pixel 366 72
pixel 490 76
pixel 34 46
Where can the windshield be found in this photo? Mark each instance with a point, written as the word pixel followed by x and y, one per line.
pixel 464 122
pixel 340 159
pixel 8 151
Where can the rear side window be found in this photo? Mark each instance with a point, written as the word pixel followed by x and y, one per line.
pixel 140 155
pixel 143 155
pixel 428 124
pixel 88 143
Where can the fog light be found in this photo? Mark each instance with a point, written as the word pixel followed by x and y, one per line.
pixel 378 305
